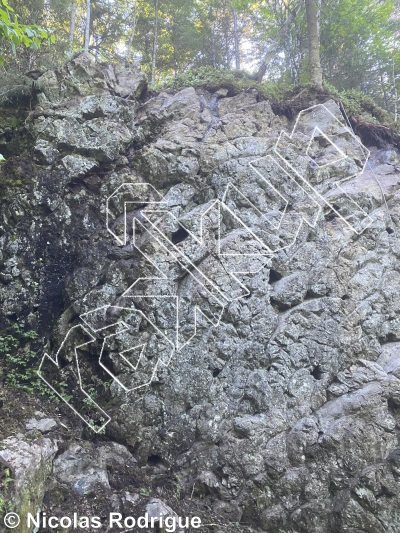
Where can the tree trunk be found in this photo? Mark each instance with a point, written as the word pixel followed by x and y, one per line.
pixel 213 55
pixel 395 92
pixel 87 29
pixel 236 33
pixel 174 41
pixel 276 45
pixel 385 96
pixel 72 26
pixel 132 35
pixel 314 45
pixel 155 44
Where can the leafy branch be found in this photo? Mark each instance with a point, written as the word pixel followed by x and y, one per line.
pixel 31 36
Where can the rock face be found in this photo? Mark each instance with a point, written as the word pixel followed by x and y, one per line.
pixel 30 463
pixel 275 404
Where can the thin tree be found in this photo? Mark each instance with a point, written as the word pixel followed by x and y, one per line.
pixel 132 34
pixel 236 33
pixel 87 28
pixel 155 43
pixel 314 43
pixel 395 91
pixel 72 26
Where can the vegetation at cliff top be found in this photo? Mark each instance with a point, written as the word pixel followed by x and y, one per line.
pixel 355 102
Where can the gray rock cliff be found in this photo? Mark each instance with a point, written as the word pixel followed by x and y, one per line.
pixel 275 403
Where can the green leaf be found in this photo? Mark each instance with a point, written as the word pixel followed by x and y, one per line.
pixel 7 6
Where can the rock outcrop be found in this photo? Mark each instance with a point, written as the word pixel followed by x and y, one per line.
pixel 275 405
